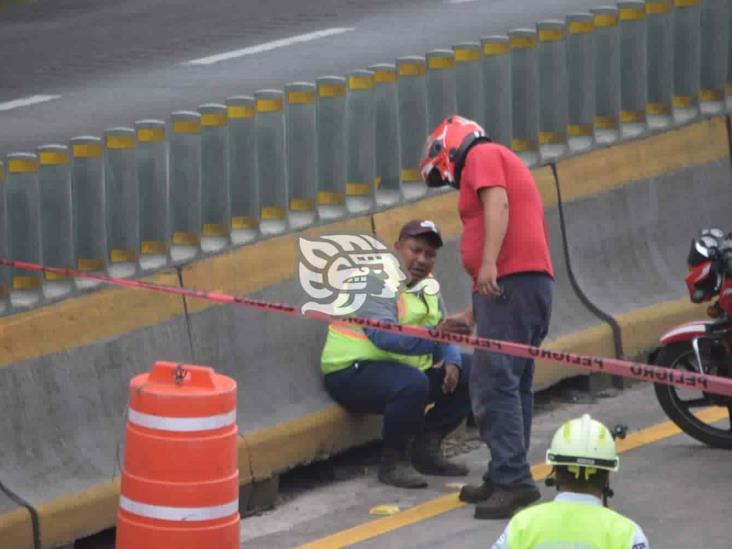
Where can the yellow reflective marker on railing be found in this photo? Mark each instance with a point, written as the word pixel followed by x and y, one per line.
pixel 581 27
pixel 658 109
pixel 272 213
pixel 89 264
pixel 22 165
pixel 153 247
pixel 360 82
pixel 551 138
pixel 26 282
pixel 215 229
pixel 186 239
pixel 604 20
pixel 53 158
pixel 658 8
pixel 631 14
pixel 687 3
pixel 410 175
pixel 302 205
pixel 684 101
pixel 329 198
pixel 411 69
pixel 551 35
pixel 606 122
pixel 123 256
pixel 496 48
pixel 710 95
pixel 87 151
pixel 579 130
pixel 303 97
pixel 440 62
pixel 150 135
pixel 384 76
pixel 240 111
pixel 269 105
pixel 186 126
pixel 243 222
pixel 214 119
pixel 358 189
pixel 628 116
pixel 523 145
pixel 464 55
pixel 332 90
pixel 522 42
pixel 120 142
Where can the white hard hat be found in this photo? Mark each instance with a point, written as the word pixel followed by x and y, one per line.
pixel 583 442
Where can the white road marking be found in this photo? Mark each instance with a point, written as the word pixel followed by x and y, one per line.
pixel 267 46
pixel 26 101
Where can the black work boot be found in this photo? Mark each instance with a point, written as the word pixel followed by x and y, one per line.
pixel 395 470
pixel 475 493
pixel 503 503
pixel 428 459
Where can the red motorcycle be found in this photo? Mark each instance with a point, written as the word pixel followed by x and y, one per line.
pixel 701 346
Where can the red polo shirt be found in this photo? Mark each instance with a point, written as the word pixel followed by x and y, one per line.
pixel 525 246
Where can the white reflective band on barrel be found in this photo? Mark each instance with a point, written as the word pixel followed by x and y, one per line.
pixel 162 512
pixel 181 424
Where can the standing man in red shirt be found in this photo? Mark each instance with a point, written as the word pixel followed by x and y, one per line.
pixel 505 250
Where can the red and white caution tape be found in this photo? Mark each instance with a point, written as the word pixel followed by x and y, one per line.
pixel 634 370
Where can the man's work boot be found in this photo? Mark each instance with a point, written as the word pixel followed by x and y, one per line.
pixel 503 503
pixel 395 470
pixel 428 459
pixel 475 493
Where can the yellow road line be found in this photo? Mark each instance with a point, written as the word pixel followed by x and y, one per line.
pixel 450 502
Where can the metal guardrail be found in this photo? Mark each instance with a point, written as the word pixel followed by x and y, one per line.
pixel 164 193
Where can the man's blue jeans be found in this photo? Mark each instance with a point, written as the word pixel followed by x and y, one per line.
pixel 500 385
pixel 401 393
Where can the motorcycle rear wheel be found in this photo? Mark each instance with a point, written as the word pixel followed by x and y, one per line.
pixel 680 356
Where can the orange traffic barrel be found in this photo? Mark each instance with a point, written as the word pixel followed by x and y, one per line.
pixel 180 477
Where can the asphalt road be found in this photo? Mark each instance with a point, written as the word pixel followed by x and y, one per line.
pixel 675 488
pixel 76 67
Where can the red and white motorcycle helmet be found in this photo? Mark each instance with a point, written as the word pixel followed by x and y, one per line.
pixel 445 149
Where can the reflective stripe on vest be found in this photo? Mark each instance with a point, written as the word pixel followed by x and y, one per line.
pixel 346 344
pixel 562 524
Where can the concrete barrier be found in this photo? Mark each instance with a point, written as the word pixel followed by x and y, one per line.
pixel 630 213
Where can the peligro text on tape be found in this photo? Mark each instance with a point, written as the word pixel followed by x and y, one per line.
pixel 635 370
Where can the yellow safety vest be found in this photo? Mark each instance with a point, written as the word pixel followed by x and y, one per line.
pixel 347 343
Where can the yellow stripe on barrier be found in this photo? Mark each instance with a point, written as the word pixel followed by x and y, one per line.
pixel 269 105
pixel 329 198
pixel 523 145
pixel 439 62
pixel 150 135
pixel 710 95
pixel 88 264
pixel 215 229
pixel 186 239
pixel 122 256
pixel 302 205
pixel 186 126
pixel 120 142
pixel 728 87
pixel 332 90
pixel 411 69
pixel 360 82
pixel 551 138
pixel 149 247
pixel 658 8
pixel 53 158
pixel 22 165
pixel 581 27
pixel 684 101
pixel 579 130
pixel 464 55
pixel 687 3
pixel 410 175
pixel 87 151
pixel 604 20
pixel 26 282
pixel 522 42
pixel 303 97
pixel 2 173
pixel 631 14
pixel 628 116
pixel 358 189
pixel 377 182
pixel 496 48
pixel 271 213
pixel 658 109
pixel 606 122
pixel 243 222
pixel 239 111
pixel 214 119
pixel 551 35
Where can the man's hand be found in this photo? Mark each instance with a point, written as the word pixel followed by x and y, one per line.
pixel 452 376
pixel 459 323
pixel 487 280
